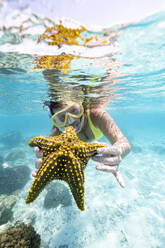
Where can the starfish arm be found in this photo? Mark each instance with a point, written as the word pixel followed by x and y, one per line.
pixel 91 149
pixel 75 179
pixel 47 172
pixel 85 151
pixel 45 143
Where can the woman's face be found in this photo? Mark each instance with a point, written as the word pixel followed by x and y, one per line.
pixel 69 115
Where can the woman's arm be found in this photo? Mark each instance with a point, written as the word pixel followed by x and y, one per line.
pixel 110 156
pixel 107 125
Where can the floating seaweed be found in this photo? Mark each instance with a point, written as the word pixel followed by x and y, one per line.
pixel 59 34
pixel 58 62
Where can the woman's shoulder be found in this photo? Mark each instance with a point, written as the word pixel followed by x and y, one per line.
pixel 97 114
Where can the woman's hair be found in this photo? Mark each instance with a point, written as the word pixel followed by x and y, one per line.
pixel 61 92
pixel 51 105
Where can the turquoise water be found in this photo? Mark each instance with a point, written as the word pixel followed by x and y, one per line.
pixel 114 217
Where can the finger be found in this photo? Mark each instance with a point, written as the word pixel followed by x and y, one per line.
pixel 114 171
pixel 38 163
pixel 36 149
pixel 119 178
pixel 109 150
pixel 34 173
pixel 106 168
pixel 108 160
pixel 39 153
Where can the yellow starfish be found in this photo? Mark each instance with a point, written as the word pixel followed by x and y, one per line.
pixel 64 157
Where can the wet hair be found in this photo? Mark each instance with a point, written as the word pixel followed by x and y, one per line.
pixel 51 105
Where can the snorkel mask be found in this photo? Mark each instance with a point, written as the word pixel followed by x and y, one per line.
pixel 68 115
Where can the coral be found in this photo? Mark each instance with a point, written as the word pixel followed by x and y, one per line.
pixel 21 236
pixel 1 159
pixel 15 155
pixel 11 139
pixel 1 170
pixel 58 195
pixel 12 179
pixel 6 205
pixel 65 158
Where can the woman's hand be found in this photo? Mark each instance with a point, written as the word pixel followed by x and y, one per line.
pixel 39 155
pixel 110 159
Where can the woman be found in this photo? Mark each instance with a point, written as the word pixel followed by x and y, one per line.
pixel 91 123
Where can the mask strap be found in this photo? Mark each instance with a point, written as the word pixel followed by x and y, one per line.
pixel 48 110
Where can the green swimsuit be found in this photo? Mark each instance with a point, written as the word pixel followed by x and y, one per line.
pixel 96 131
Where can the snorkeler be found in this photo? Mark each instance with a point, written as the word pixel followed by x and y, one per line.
pixel 91 123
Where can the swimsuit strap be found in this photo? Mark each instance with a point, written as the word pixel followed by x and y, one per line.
pixel 96 131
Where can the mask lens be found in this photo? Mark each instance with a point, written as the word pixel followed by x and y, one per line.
pixel 59 120
pixel 67 115
pixel 75 110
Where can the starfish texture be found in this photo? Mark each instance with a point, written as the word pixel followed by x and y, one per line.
pixel 65 158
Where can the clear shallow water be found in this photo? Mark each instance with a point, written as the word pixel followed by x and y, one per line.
pixel 114 217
